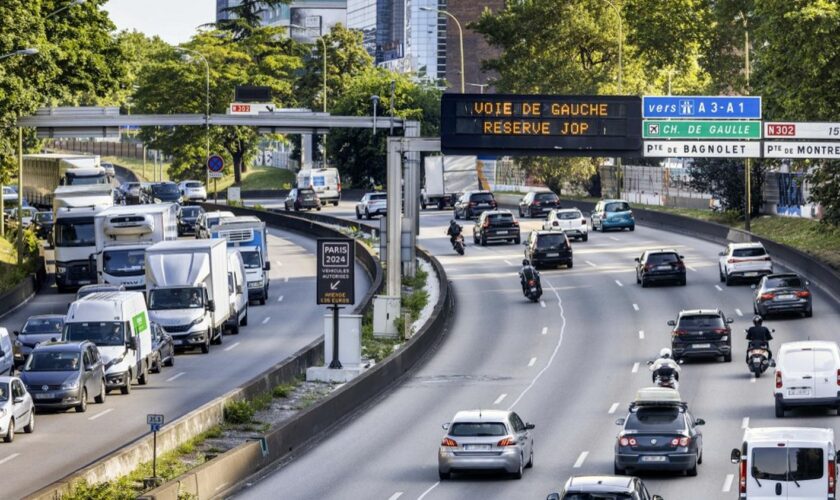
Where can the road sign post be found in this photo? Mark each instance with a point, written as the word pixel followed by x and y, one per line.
pixel 215 165
pixel 335 283
pixel 155 422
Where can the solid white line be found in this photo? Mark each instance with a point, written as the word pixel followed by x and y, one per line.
pixel 591 263
pixel 266 320
pixel 395 496
pixel 9 458
pixel 719 289
pixel 641 334
pixel 745 422
pixel 635 368
pixel 727 483
pixel 173 377
pixel 532 362
pixel 542 303
pixel 613 408
pixel 232 346
pixel 618 283
pixel 580 460
pixel 103 412
pixel 508 262
pixel 738 312
pixel 635 307
pixel 545 330
pixel 423 495
pixel 691 269
pixel 286 279
pixel 280 299
pixel 500 399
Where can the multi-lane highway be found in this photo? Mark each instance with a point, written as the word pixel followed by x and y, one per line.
pixel 63 442
pixel 570 364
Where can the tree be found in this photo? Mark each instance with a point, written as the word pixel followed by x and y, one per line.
pixel 824 187
pixel 246 16
pixel 558 173
pixel 723 178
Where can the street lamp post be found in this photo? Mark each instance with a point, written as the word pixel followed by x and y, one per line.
pixel 747 162
pixel 620 72
pixel 72 3
pixel 460 37
pixel 480 86
pixel 206 113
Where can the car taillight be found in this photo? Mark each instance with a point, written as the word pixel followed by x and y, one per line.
pixel 516 223
pixel 732 261
pixel 472 203
pixel 679 332
pixel 625 441
pixel 508 441
pixel 339 186
pixel 766 296
pixel 494 203
pixel 838 377
pixel 583 221
pixel 742 477
pixel 448 442
pixel 532 283
pixel 721 331
pixel 767 258
pixel 831 476
pixel 648 267
pixel 803 293
pixel 680 265
pixel 682 441
pixel 778 379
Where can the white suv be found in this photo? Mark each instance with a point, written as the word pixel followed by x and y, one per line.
pixel 372 204
pixel 192 191
pixel 569 220
pixel 748 261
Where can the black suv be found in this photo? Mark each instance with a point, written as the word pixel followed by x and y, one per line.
pixel 612 487
pixel 536 204
pixel 660 265
pixel 473 203
pixel 161 192
pixel 783 293
pixel 548 248
pixel 496 225
pixel 701 333
pixel 187 217
pixel 62 375
pixel 300 198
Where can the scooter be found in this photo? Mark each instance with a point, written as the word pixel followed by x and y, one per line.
pixel 758 357
pixel 458 244
pixel 532 291
pixel 666 377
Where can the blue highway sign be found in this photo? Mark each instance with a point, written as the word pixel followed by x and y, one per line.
pixel 716 107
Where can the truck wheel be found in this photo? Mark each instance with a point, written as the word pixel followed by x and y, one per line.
pixel 335 203
pixel 143 377
pixel 359 216
pixel 244 321
pixel 423 205
pixel 102 393
pixel 218 339
pixel 441 205
pixel 234 328
pixel 126 389
pixel 205 347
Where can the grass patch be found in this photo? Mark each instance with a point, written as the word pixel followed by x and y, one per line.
pixel 283 390
pixel 136 166
pixel 239 412
pixel 10 273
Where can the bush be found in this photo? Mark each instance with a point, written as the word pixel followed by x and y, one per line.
pixel 239 412
pixel 282 391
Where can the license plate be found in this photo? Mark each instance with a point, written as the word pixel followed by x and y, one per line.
pixel 474 447
pixel 84 282
pixel 180 342
pixel 654 459
pixel 44 395
pixel 552 255
pixel 702 346
pixel 663 268
pixel 750 274
pixel 785 297
pixel 501 232
pixel 799 392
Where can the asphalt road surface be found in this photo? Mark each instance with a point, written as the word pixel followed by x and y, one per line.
pixel 64 442
pixel 570 364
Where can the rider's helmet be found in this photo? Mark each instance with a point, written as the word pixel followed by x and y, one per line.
pixel 665 353
pixel 451 221
pixel 525 262
pixel 757 320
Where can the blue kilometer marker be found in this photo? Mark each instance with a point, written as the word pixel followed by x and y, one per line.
pixel 716 107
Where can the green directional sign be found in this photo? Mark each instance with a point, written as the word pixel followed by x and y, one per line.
pixel 701 129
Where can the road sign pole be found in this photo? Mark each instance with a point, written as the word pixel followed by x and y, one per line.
pixel 154 454
pixel 335 364
pixel 747 179
pixel 216 191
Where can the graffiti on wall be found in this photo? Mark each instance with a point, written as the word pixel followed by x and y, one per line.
pixel 790 195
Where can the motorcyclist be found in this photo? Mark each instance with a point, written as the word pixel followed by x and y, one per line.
pixel 758 336
pixel 527 273
pixel 453 231
pixel 665 361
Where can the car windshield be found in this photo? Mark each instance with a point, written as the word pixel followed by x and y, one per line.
pixel 546 197
pixel 105 333
pixel 381 196
pixel 37 326
pixel 44 216
pixel 75 232
pixel 212 221
pixel 176 298
pixel 52 361
pixel 478 429
pixel 73 180
pixel 656 419
pixel 569 215
pixel 4 391
pixel 617 206
pixel 500 219
pixel 701 321
pixel 597 496
pixel 124 262
pixel 193 184
pixel 251 260
pixel 783 282
pixel 481 198
pixel 787 464
pixel 656 259
pixel 190 212
pixel 551 241
pixel 748 252
pixel 165 189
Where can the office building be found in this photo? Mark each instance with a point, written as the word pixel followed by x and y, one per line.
pixel 476 47
pixel 315 18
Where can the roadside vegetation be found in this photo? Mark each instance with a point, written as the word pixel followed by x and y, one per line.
pixel 10 273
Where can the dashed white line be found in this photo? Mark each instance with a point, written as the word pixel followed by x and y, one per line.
pixel 727 483
pixel 285 279
pixel 542 303
pixel 614 238
pixel 395 496
pixel 738 312
pixel 641 334
pixel 745 422
pixel 591 263
pixel 613 408
pixel 545 330
pixel 280 299
pixel 719 289
pixel 279 263
pixel 532 362
pixel 9 458
pixel 103 412
pixel 618 283
pixel 500 399
pixel 635 368
pixel 266 320
pixel 508 262
pixel 232 346
pixel 635 307
pixel 691 269
pixel 580 460
pixel 173 377
pixel 423 495
pixel 753 379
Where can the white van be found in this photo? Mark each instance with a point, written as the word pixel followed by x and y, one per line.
pixel 325 181
pixel 807 374
pixel 793 463
pixel 238 292
pixel 118 323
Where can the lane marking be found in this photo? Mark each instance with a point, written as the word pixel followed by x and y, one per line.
pixel 591 263
pixel 738 312
pixel 280 299
pixel 395 496
pixel 9 458
pixel 613 408
pixel 103 412
pixel 618 283
pixel 580 460
pixel 753 379
pixel 545 330
pixel 173 377
pixel 266 320
pixel 423 495
pixel 719 289
pixel 691 269
pixel 500 399
pixel 542 303
pixel 641 334
pixel 727 483
pixel 745 422
pixel 635 368
pixel 635 307
pixel 614 238
pixel 532 362
pixel 232 346
pixel 508 262
pixel 279 263
pixel 285 279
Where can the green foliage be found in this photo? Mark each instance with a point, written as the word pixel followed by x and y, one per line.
pixel 824 183
pixel 239 412
pixel 283 390
pixel 724 179
pixel 246 15
pixel 559 172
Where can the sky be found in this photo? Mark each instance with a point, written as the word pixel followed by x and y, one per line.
pixel 175 21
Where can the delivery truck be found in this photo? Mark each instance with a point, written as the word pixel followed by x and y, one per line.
pixel 445 177
pixel 248 235
pixel 43 173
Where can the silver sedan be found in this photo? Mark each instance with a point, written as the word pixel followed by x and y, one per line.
pixel 16 408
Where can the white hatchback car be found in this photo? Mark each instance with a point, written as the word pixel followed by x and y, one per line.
pixel 745 261
pixel 807 374
pixel 192 191
pixel 16 408
pixel 570 220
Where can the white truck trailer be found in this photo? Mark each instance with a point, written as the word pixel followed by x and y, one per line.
pixel 43 173
pixel 187 290
pixel 122 235
pixel 248 235
pixel 445 177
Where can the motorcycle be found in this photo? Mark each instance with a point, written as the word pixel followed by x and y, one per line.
pixel 758 357
pixel 458 244
pixel 666 377
pixel 532 291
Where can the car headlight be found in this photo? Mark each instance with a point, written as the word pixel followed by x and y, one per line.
pixel 197 321
pixel 725 338
pixel 70 386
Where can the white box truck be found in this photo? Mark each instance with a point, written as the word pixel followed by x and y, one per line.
pixel 118 323
pixel 74 234
pixel 248 235
pixel 123 233
pixel 45 172
pixel 445 177
pixel 325 181
pixel 187 290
